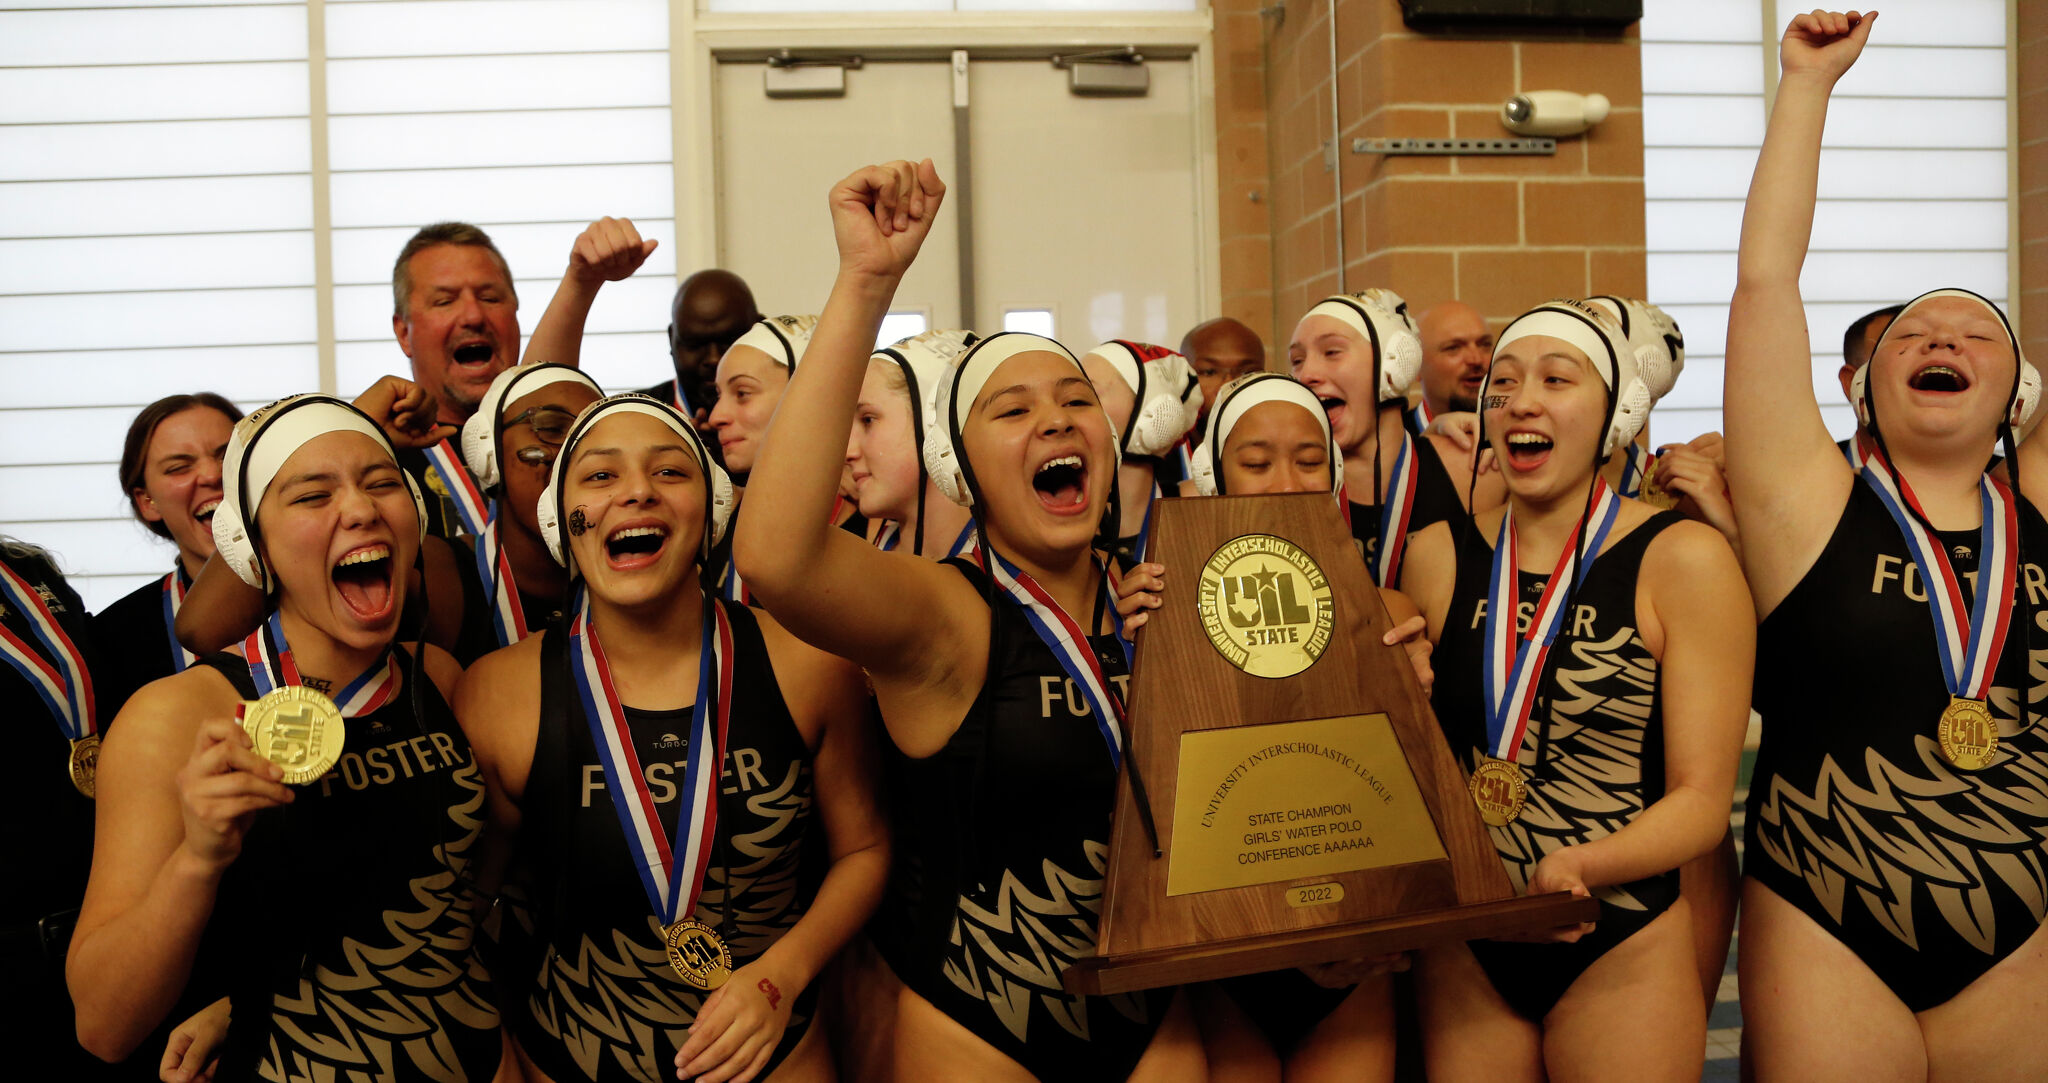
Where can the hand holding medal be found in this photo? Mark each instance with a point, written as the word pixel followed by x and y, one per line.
pixel 738 1026
pixel 222 787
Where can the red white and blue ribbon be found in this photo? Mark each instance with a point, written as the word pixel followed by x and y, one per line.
pixel 271 665
pixel 1635 468
pixel 1143 541
pixel 731 587
pixel 887 536
pixel 57 672
pixel 672 872
pixel 494 570
pixel 1857 450
pixel 1513 665
pixel 1395 514
pixel 1970 640
pixel 175 587
pixel 1071 647
pixel 469 500
pixel 1419 417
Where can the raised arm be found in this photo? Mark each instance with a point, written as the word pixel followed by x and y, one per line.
pixel 895 615
pixel 608 250
pixel 1787 480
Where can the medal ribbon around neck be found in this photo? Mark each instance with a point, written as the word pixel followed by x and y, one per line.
pixel 174 600
pixel 1144 541
pixel 271 665
pixel 1184 454
pixel 885 538
pixel 1514 663
pixel 1971 640
pixel 671 872
pixel 1393 542
pixel 494 570
pixel 58 672
pixel 1857 450
pixel 469 501
pixel 1420 417
pixel 1057 630
pixel 1635 464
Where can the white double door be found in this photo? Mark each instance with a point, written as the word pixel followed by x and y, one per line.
pixel 1083 212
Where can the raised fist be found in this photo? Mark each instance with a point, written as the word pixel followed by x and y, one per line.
pixel 881 215
pixel 609 250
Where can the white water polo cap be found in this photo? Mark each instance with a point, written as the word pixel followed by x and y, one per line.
pixel 553 518
pixel 1237 399
pixel 485 429
pixel 783 338
pixel 1168 397
pixel 2021 400
pixel 1592 332
pixel 258 448
pixel 1654 336
pixel 944 460
pixel 1381 317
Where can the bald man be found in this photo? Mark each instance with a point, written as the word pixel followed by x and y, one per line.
pixel 710 311
pixel 1220 351
pixel 1456 348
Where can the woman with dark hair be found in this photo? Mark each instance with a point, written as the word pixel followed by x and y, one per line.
pixel 1893 907
pixel 1593 658
pixel 170 474
pixel 678 772
pixel 310 855
pixel 1003 703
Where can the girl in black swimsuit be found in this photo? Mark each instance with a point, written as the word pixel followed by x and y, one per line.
pixel 1892 912
pixel 338 911
pixel 1592 659
pixel 1016 745
pixel 671 779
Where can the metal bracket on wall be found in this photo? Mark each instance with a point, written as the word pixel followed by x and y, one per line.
pixel 1395 147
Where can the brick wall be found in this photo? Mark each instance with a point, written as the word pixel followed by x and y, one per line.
pixel 1501 233
pixel 2033 183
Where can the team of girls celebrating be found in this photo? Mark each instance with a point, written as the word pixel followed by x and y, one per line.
pixel 625 784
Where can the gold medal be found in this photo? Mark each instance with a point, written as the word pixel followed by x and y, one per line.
pixel 298 729
pixel 698 954
pixel 1498 790
pixel 85 763
pixel 1969 738
pixel 1654 494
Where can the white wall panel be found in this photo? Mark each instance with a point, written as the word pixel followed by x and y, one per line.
pixel 104 264
pixel 134 378
pixel 528 194
pixel 1912 186
pixel 184 35
pixel 123 208
pixel 555 137
pixel 153 92
pixel 473 83
pixel 471 27
pixel 181 148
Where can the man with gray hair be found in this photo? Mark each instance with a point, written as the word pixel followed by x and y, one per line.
pixel 455 314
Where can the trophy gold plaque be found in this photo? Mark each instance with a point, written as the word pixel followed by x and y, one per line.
pixel 1307 807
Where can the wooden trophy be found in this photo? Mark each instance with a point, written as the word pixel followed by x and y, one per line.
pixel 1307 808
